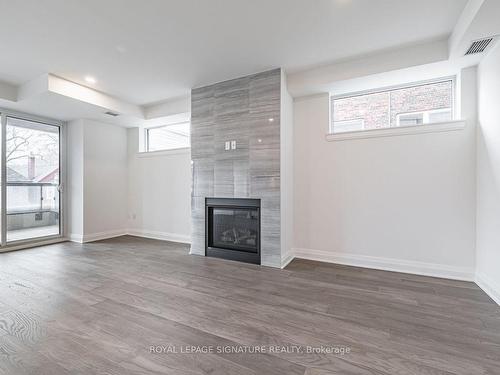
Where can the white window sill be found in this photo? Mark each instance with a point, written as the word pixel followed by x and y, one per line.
pixel 152 154
pixel 402 130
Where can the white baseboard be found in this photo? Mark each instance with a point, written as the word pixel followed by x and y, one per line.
pixel 96 236
pixel 75 237
pixel 164 236
pixel 489 287
pixel 286 260
pixel 388 264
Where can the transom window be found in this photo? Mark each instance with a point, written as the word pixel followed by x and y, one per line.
pixel 168 137
pixel 413 105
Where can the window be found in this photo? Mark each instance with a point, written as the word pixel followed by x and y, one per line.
pixel 410 119
pixel 439 115
pixel 169 137
pixel 349 125
pixel 31 165
pixel 414 105
pixel 426 117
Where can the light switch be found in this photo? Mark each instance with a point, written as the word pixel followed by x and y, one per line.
pixel 233 145
pixel 227 146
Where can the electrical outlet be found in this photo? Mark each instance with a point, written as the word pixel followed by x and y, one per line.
pixel 227 146
pixel 233 145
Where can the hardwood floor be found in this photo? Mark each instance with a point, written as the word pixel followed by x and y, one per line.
pixel 98 308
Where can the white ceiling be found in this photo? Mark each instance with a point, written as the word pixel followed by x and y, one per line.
pixel 148 51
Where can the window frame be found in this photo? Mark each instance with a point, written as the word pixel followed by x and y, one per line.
pixel 383 89
pixel 42 240
pixel 165 150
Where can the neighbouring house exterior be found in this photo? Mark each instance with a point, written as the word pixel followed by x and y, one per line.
pixel 32 199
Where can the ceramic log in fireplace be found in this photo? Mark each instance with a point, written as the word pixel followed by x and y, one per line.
pixel 233 229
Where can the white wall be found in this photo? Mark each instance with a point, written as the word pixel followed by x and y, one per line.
pixel 405 203
pixel 105 177
pixel 419 58
pixel 75 178
pixel 114 190
pixel 286 160
pixel 159 196
pixel 488 175
pixel 97 179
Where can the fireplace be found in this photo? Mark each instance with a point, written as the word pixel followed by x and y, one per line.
pixel 233 229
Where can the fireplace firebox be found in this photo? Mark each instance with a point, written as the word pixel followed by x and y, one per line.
pixel 233 229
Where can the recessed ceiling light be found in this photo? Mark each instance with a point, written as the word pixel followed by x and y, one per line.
pixel 90 79
pixel 271 120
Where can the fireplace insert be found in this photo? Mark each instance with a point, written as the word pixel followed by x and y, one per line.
pixel 233 229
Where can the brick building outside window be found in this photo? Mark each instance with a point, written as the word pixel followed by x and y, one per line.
pixel 406 106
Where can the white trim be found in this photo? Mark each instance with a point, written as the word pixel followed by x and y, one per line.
pixel 491 288
pixel 388 264
pixel 285 261
pixel 397 131
pixel 97 236
pixel 191 252
pixel 103 235
pixel 175 151
pixel 164 236
pixel 75 237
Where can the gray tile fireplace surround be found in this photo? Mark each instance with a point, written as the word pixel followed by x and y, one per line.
pixel 246 110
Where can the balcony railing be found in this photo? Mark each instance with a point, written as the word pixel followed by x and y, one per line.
pixel 32 197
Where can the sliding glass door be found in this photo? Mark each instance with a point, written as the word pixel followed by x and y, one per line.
pixel 31 180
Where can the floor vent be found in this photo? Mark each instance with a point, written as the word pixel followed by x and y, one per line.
pixel 478 46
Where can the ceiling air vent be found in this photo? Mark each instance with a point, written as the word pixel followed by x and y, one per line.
pixel 109 113
pixel 478 46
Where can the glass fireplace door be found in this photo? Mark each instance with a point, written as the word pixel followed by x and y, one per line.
pixel 232 229
pixel 235 228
